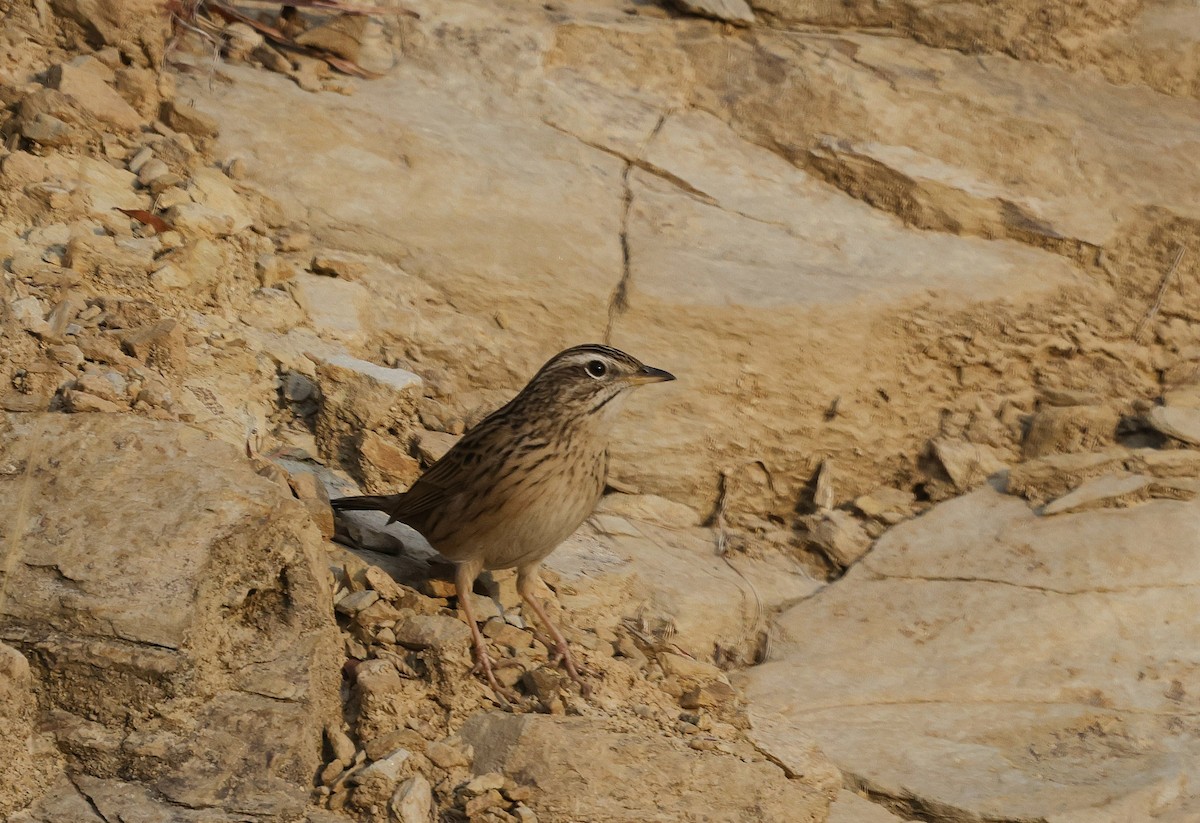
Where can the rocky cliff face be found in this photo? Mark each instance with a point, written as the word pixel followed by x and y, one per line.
pixel 907 259
pixel 794 215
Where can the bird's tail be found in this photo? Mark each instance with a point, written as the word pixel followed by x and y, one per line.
pixel 364 502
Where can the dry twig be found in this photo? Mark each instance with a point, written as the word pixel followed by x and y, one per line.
pixel 1162 291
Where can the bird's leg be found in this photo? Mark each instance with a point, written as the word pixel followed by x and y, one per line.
pixel 464 583
pixel 526 580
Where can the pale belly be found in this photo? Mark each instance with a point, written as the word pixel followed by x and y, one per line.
pixel 525 522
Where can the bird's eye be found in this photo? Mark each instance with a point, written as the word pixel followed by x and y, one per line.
pixel 596 368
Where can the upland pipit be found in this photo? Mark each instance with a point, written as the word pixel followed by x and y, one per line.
pixel 522 480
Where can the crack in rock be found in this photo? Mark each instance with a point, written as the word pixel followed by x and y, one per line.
pixel 878 576
pixel 87 797
pixel 618 303
pixel 1021 702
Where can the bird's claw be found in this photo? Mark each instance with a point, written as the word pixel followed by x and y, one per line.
pixel 562 657
pixel 485 665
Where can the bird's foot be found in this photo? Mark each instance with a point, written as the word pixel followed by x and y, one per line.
pixel 562 657
pixel 486 666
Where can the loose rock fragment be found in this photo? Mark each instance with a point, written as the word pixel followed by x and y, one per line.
pixel 1119 491
pixel 47 130
pixel 967 464
pixel 543 683
pixel 161 345
pixel 380 747
pixel 90 91
pixel 341 745
pixel 356 602
pixel 240 40
pixel 449 753
pixel 432 631
pixel 333 264
pixel 382 582
pixel 886 504
pixel 412 801
pixel 431 445
pixel 1178 422
pixel 188 120
pixel 78 401
pixel 376 783
pixel 840 537
pixel 384 465
pixel 715 693
pixel 30 314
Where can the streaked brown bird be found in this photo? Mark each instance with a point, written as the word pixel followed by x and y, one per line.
pixel 522 480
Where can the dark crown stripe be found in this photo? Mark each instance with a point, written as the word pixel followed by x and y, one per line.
pixel 598 349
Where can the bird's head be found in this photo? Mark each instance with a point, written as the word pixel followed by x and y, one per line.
pixel 588 378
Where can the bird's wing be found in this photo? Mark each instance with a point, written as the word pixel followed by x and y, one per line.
pixel 458 469
pixel 429 492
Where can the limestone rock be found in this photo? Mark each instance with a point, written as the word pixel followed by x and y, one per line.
pixel 30 314
pixel 432 445
pixel 161 345
pixel 649 507
pixel 47 130
pixel 850 808
pixel 1056 474
pixel 413 801
pixel 384 466
pixel 335 307
pixel 378 782
pixel 840 537
pixel 1119 491
pixel 669 578
pixel 1183 396
pixel 29 763
pixel 1178 422
pixel 1064 429
pixel 339 264
pixel 132 27
pixel 359 397
pixel 102 255
pixel 195 220
pixel 588 772
pixel 955 662
pixel 341 745
pixel 92 92
pixel 103 186
pixel 967 464
pixel 200 597
pixel 956 210
pixel 1133 44
pixel 273 310
pixel 200 262
pixel 240 40
pixel 355 602
pixel 209 187
pixel 737 12
pixel 451 752
pixel 433 631
pixel 185 118
pixel 273 270
pixel 356 37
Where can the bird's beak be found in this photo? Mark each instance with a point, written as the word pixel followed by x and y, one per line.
pixel 649 374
